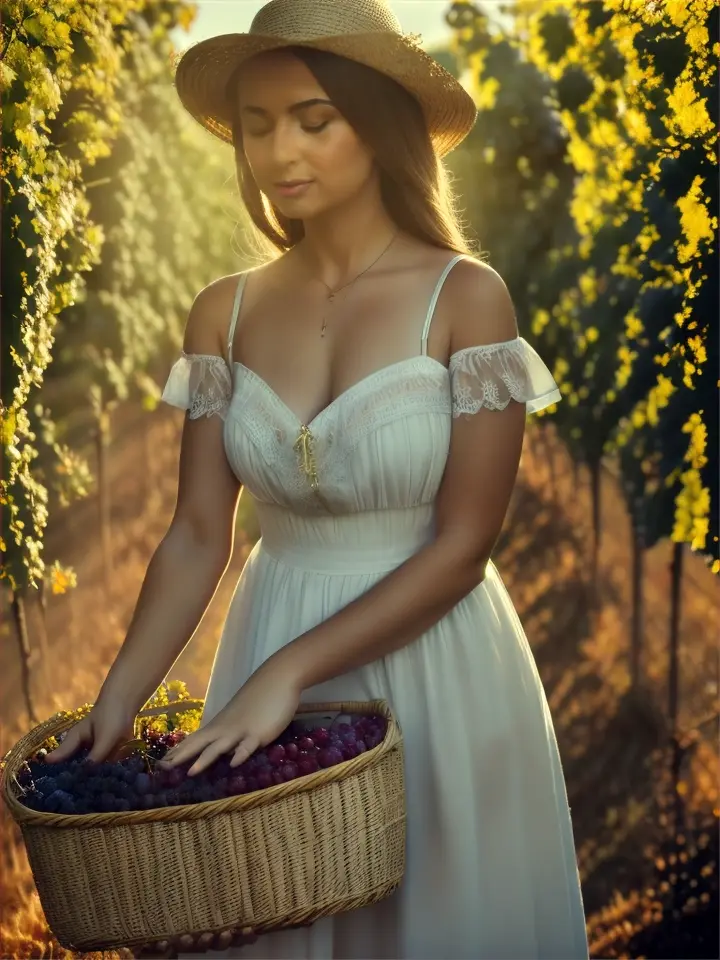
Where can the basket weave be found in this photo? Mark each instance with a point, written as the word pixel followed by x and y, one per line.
pixel 200 874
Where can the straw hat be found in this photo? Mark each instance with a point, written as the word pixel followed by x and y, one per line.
pixel 366 31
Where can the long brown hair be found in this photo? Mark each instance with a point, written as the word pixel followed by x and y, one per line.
pixel 415 186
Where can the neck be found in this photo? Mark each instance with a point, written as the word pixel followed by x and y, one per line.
pixel 342 243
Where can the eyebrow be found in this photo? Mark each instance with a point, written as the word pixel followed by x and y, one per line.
pixel 295 108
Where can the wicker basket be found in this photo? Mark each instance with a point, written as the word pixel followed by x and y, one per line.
pixel 201 875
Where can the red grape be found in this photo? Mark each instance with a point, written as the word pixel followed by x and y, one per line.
pixel 307 764
pixel 276 754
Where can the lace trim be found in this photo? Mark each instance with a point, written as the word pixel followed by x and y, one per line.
pixel 201 384
pixel 491 375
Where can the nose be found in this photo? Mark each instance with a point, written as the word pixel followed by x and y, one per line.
pixel 284 146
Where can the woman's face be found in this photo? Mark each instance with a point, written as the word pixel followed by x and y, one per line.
pixel 305 157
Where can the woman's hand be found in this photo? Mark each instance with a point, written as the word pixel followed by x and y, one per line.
pixel 107 727
pixel 259 712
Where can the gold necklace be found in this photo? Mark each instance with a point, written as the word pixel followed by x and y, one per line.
pixel 333 293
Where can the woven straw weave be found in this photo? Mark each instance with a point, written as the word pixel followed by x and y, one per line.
pixel 362 30
pixel 280 857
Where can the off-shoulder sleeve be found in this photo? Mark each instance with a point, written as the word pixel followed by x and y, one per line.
pixel 491 375
pixel 201 384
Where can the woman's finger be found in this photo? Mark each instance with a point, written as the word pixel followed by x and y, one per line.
pixel 244 749
pixel 187 749
pixel 209 755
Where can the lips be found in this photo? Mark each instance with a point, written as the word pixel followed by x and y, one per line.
pixel 292 188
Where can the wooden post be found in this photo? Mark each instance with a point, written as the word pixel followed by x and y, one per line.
pixel 103 481
pixel 26 657
pixel 637 623
pixel 676 571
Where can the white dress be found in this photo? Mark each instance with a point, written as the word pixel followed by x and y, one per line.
pixel 491 872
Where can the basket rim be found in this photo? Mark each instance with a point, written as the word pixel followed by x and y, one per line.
pixel 26 817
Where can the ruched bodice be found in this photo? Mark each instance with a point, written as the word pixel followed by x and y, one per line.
pixel 382 445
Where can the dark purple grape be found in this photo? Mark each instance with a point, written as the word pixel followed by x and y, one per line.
pixel 220 789
pixel 307 744
pixel 221 769
pixel 329 756
pixel 236 785
pixel 349 751
pixel 175 777
pixel 261 759
pixel 264 778
pixel 277 777
pixel 251 783
pixel 361 746
pixel 289 770
pixel 106 802
pixel 143 783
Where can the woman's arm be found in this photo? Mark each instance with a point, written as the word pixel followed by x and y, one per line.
pixel 187 566
pixel 470 510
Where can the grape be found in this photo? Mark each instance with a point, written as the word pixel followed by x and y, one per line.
pixel 277 777
pixel 349 751
pixel 175 777
pixel 251 783
pixel 264 778
pixel 291 751
pixel 276 754
pixel 289 770
pixel 361 746
pixel 306 743
pixel 320 736
pixel 142 783
pixel 261 759
pixel 307 764
pixel 237 785
pixel 329 756
pixel 221 768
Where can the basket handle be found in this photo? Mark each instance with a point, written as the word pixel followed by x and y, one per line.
pixel 176 706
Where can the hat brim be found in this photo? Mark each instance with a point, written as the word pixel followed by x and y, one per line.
pixel 204 69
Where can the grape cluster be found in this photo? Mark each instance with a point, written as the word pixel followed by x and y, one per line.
pixel 79 786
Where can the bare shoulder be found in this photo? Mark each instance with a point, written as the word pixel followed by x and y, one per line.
pixel 209 316
pixel 478 305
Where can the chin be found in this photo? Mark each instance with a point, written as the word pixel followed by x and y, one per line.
pixel 300 209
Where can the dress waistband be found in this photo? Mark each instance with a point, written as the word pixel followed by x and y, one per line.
pixel 342 562
pixel 352 544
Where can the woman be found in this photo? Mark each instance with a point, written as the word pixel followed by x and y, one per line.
pixel 369 388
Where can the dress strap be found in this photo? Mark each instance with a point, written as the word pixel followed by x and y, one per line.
pixel 434 299
pixel 234 316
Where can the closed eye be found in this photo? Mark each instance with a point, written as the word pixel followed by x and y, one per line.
pixel 316 129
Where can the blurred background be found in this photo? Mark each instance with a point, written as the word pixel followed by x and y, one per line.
pixel 590 181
